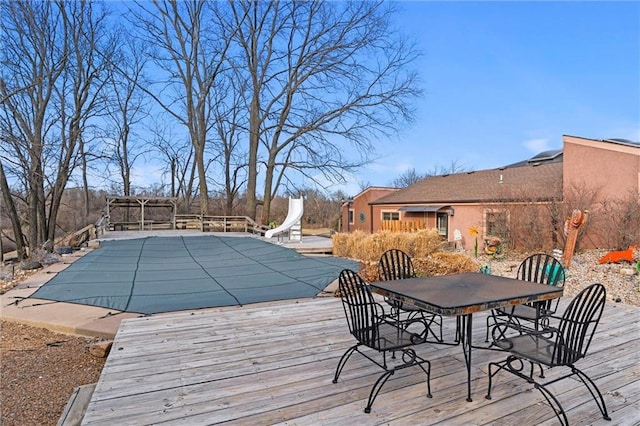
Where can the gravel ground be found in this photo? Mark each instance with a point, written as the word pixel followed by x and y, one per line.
pixel 620 279
pixel 39 369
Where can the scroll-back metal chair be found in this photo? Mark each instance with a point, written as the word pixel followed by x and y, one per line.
pixel 539 268
pixel 560 346
pixel 395 264
pixel 374 330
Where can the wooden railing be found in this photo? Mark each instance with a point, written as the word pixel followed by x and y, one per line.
pixel 220 224
pixel 202 223
pixel 402 225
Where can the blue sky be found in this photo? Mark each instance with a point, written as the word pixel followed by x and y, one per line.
pixel 504 81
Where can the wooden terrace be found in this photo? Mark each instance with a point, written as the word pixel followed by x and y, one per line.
pixel 273 363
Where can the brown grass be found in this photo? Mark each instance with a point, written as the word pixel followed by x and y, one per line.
pixel 424 247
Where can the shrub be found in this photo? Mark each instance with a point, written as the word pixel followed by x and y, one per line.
pixel 423 246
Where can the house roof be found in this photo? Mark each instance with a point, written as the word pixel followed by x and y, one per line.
pixel 550 156
pixel 616 141
pixel 622 141
pixel 370 189
pixel 539 181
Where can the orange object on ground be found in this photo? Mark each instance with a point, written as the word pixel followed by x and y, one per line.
pixel 617 256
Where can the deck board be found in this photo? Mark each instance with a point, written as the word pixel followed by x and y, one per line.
pixel 274 364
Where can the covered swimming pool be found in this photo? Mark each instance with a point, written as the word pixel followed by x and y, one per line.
pixel 164 274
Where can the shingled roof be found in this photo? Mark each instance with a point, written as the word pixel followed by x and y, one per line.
pixel 533 181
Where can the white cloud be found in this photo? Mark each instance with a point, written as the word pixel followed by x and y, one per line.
pixel 537 146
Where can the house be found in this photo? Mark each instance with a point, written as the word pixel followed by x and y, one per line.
pixel 509 201
pixel 357 213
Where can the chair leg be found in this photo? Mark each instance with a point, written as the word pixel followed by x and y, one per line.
pixel 513 365
pixel 518 368
pixel 343 360
pixel 501 366
pixel 495 318
pixel 489 317
pixel 437 321
pixel 376 389
pixel 554 403
pixel 595 392
pixel 410 359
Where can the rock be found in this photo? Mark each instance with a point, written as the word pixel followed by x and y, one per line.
pixel 28 265
pixel 101 349
pixel 627 271
pixel 64 250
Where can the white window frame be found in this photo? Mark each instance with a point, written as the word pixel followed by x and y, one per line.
pixel 393 215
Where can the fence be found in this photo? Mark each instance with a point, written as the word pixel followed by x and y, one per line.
pixel 403 225
pixel 199 222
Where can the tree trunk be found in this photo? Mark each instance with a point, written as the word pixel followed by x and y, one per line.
pixel 268 181
pixel 252 177
pixel 13 214
pixel 202 178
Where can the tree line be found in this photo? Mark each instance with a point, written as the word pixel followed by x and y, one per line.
pixel 239 100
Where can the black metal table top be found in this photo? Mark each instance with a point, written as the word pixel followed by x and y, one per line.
pixel 462 294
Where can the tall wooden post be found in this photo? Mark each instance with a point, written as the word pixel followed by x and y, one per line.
pixel 571 229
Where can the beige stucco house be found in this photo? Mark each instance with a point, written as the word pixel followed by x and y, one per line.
pixel 520 201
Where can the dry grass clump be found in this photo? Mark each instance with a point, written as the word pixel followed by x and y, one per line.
pixel 423 246
pixel 369 247
pixel 369 271
pixel 426 242
pixel 444 263
pixel 340 241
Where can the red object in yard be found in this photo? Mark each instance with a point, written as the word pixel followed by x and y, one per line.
pixel 617 256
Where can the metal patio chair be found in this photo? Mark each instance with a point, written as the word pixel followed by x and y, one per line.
pixel 539 268
pixel 395 264
pixel 560 346
pixel 374 330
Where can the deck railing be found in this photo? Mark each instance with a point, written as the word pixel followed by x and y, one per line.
pixel 204 223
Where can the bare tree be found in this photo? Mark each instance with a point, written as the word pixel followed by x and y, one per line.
pixel 439 170
pixel 179 156
pixel 49 52
pixel 127 110
pixel 411 176
pixel 31 62
pixel 618 221
pixel 325 77
pixel 80 94
pixel 190 50
pixel 580 196
pixel 229 117
pixel 408 178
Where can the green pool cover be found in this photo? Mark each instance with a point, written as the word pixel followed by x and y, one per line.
pixel 165 274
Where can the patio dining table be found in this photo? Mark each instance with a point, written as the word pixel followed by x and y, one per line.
pixel 461 295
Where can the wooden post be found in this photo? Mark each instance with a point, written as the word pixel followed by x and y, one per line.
pixel 571 229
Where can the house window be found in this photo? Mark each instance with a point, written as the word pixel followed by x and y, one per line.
pixel 351 215
pixel 442 224
pixel 496 223
pixel 390 215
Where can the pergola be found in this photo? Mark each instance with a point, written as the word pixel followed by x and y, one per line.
pixel 143 203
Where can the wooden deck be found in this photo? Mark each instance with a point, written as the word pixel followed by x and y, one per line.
pixel 274 364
